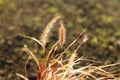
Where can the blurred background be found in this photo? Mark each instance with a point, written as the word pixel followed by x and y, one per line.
pixel 101 18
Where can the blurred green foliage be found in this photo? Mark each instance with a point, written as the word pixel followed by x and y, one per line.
pixel 94 41
pixel 52 10
pixel 1 2
pixel 117 33
pixel 29 17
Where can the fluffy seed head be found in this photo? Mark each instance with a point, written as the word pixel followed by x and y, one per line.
pixel 62 34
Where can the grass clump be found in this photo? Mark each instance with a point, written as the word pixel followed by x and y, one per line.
pixel 56 67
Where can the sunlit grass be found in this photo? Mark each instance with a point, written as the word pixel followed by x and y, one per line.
pixel 59 68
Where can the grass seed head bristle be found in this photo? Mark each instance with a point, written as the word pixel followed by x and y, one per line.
pixel 44 38
pixel 62 34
